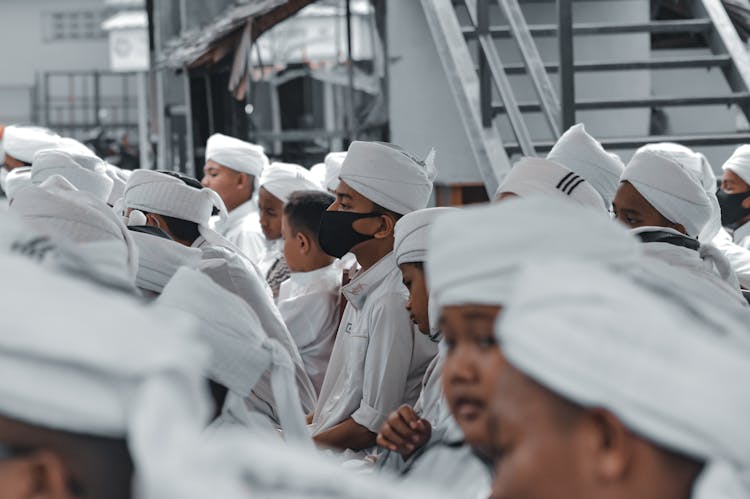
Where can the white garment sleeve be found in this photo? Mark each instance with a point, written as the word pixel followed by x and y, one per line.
pixel 251 244
pixel 387 363
pixel 739 257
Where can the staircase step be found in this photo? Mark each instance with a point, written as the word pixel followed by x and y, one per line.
pixel 703 61
pixel 618 143
pixel 656 101
pixel 546 30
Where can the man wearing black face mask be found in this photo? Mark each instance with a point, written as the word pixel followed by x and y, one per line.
pixel 734 196
pixel 378 358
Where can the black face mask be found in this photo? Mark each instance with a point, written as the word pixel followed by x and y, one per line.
pixel 336 235
pixel 732 210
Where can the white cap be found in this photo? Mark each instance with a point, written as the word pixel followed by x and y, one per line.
pixel 333 162
pixel 120 179
pixel 85 171
pixel 22 142
pixel 411 232
pixel 282 179
pixel 236 154
pixel 739 163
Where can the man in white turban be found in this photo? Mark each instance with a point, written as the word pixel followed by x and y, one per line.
pixel 651 388
pixel 734 196
pixel 22 143
pixel 543 176
pixel 378 360
pixel 232 169
pixel 668 208
pixel 277 183
pixel 585 156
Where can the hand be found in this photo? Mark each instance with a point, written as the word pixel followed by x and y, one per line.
pixel 404 432
pixel 309 417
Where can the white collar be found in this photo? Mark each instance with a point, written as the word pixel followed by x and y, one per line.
pixel 364 282
pixel 303 278
pixel 741 232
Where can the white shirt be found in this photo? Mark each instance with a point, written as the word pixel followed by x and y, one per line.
pixel 242 228
pixel 741 235
pixel 378 358
pixel 739 257
pixel 309 303
pixel 431 404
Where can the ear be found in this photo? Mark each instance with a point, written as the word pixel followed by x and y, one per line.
pixel 679 228
pixel 385 229
pixel 50 477
pixel 611 443
pixel 155 220
pixel 746 203
pixel 304 242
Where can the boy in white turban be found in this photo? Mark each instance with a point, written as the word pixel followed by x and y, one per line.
pixel 734 196
pixel 276 185
pixel 378 361
pixel 232 169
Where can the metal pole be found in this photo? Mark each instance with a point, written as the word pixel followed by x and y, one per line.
pixel 567 71
pixel 161 122
pixel 351 126
pixel 485 82
pixel 144 145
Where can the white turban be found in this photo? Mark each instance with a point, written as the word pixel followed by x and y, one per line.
pixel 22 142
pixel 543 176
pixel 78 360
pixel 72 145
pixel 16 180
pixel 333 162
pixel 584 155
pixel 282 179
pixel 388 176
pixel 739 163
pixel 156 192
pixel 56 207
pixel 411 233
pixel 85 171
pixel 666 374
pixel 697 164
pixel 159 258
pixel 120 179
pixel 672 190
pixel 475 253
pixel 242 352
pixel 236 154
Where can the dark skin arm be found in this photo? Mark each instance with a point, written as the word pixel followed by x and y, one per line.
pixel 346 435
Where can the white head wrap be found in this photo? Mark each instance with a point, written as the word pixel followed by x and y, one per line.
pixel 333 162
pixel 584 155
pixel 411 232
pixel 542 176
pixel 282 179
pixel 23 142
pixel 120 179
pixel 606 326
pixel 671 189
pixel 16 180
pixel 136 367
pixel 76 147
pixel 236 154
pixel 156 192
pixel 492 242
pixel 388 176
pixel 85 171
pixel 103 242
pixel 242 351
pixel 159 258
pixel 739 163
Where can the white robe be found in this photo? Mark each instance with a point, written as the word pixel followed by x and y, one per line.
pixel 309 303
pixel 739 257
pixel 378 358
pixel 242 228
pixel 741 236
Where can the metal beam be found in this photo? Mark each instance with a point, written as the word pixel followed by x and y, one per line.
pixel 701 62
pixel 486 144
pixel 584 29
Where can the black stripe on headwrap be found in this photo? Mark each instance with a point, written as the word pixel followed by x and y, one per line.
pixel 570 191
pixel 566 177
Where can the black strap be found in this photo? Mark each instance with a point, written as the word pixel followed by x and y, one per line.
pixel 149 229
pixel 660 236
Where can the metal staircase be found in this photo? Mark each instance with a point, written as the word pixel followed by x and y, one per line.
pixel 467 36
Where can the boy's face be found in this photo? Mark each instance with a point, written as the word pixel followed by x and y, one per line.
pixel 233 187
pixel 271 209
pixel 413 278
pixel 347 199
pixel 532 435
pixel 471 367
pixel 632 209
pixel 292 246
pixel 731 183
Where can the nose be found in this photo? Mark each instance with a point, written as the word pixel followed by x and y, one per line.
pixel 204 181
pixel 459 367
pixel 334 206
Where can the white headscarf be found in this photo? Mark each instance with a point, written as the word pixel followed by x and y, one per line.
pixel 492 242
pixel 242 351
pixel 76 147
pixel 85 171
pixel 120 179
pixel 542 176
pixel 159 258
pixel 16 180
pixel 411 233
pixel 739 163
pixel 388 176
pixel 606 324
pixel 671 189
pixel 137 367
pixel 282 179
pixel 102 242
pixel 22 142
pixel 236 154
pixel 333 162
pixel 584 155
pixel 697 164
